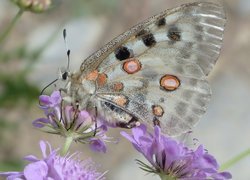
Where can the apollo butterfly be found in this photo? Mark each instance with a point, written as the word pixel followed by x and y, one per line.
pixel 155 72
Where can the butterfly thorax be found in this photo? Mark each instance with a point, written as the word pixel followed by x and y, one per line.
pixel 80 89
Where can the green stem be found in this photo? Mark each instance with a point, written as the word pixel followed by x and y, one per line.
pixel 9 28
pixel 66 146
pixel 166 177
pixel 235 160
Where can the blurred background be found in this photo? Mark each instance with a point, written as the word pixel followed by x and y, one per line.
pixel 34 50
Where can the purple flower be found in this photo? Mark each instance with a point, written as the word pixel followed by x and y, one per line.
pixel 54 166
pixel 51 104
pixel 51 101
pixel 97 145
pixel 171 159
pixel 69 121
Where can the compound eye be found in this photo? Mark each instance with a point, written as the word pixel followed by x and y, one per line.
pixel 65 75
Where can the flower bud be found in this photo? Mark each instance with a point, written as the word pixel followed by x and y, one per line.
pixel 36 6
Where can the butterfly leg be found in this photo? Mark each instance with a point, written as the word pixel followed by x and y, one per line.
pixel 95 120
pixel 76 114
pixel 61 105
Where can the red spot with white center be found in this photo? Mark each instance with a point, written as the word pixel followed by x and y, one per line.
pixel 132 66
pixel 118 86
pixel 169 82
pixel 157 110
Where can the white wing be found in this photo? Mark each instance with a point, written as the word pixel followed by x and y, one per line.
pixel 179 48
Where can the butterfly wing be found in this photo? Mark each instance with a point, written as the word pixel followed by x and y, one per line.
pixel 157 70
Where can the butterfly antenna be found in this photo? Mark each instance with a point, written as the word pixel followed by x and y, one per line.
pixel 67 49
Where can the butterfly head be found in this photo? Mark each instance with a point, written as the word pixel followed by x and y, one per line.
pixel 64 75
pixel 77 89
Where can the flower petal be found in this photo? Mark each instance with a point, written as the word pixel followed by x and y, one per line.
pixel 222 175
pixel 68 114
pixel 98 145
pixel 31 158
pixel 139 132
pixel 39 123
pixel 12 175
pixel 37 170
pixel 128 137
pixel 50 101
pixel 43 147
pixel 56 97
pixel 44 99
pixel 84 119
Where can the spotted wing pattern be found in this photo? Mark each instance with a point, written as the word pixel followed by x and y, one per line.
pixel 157 70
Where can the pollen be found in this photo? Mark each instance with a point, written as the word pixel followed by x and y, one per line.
pixel 169 82
pixel 132 66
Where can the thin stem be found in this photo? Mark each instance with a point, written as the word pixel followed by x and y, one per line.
pixel 66 146
pixel 235 160
pixel 9 28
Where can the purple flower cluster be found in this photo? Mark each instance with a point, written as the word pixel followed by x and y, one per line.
pixel 68 121
pixel 54 166
pixel 171 159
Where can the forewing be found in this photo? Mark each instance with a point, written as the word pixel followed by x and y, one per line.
pixel 199 23
pixel 179 45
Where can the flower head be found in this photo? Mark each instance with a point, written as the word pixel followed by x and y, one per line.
pixel 171 159
pixel 54 166
pixel 69 121
pixel 36 6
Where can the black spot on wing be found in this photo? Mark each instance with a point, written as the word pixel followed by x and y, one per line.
pixel 174 33
pixel 147 37
pixel 161 22
pixel 149 40
pixel 122 53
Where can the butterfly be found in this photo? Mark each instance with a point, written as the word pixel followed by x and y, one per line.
pixel 155 72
